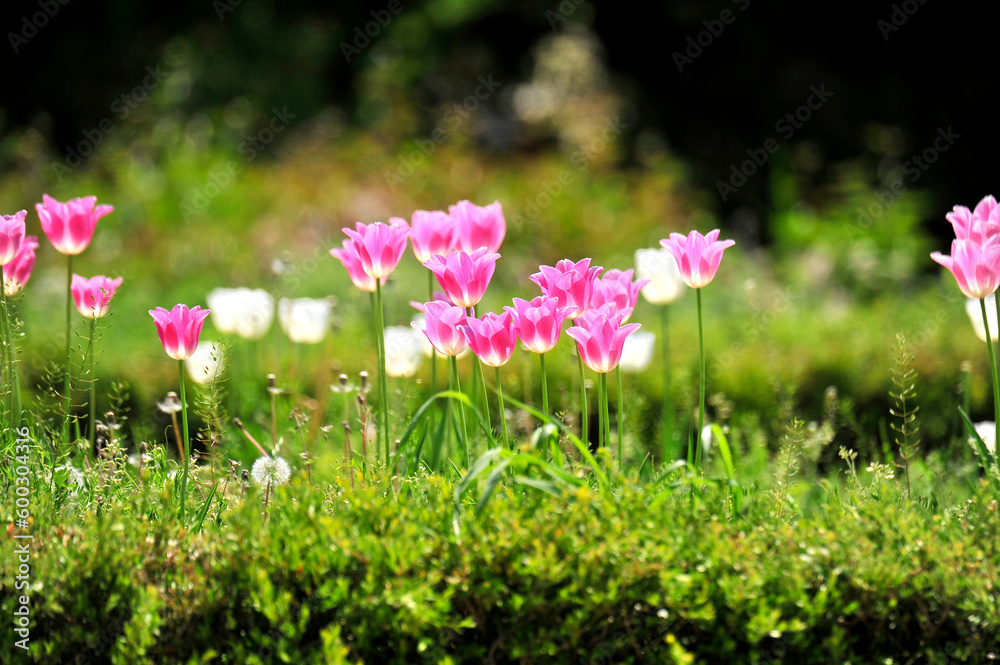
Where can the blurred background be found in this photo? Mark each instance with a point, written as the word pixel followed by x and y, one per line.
pixel 235 138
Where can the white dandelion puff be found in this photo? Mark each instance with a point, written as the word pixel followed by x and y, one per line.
pixel 270 470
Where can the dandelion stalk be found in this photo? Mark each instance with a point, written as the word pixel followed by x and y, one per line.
pixel 993 369
pixel 503 411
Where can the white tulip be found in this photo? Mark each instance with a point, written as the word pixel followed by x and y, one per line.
pixel 305 320
pixel 403 351
pixel 206 363
pixel 975 310
pixel 660 268
pixel 244 312
pixel 987 431
pixel 637 353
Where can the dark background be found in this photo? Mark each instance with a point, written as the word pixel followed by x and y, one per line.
pixel 936 70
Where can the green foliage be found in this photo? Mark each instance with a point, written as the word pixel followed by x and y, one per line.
pixel 904 378
pixel 378 575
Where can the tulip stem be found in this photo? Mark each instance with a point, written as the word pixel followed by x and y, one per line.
pixel 503 411
pixel 486 393
pixel 605 417
pixel 187 440
pixel 69 324
pixel 382 380
pixel 14 369
pixel 434 355
pixel 93 386
pixel 461 410
pixel 668 410
pixel 993 369
pixel 621 419
pixel 584 417
pixel 545 386
pixel 701 402
pixel 6 358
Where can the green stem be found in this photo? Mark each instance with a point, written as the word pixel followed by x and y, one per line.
pixel 545 386
pixel 434 353
pixel 701 402
pixel 382 381
pixel 461 411
pixel 69 324
pixel 621 419
pixel 584 417
pixel 15 369
pixel 486 392
pixel 993 368
pixel 187 440
pixel 503 411
pixel 668 407
pixel 6 362
pixel 605 415
pixel 93 386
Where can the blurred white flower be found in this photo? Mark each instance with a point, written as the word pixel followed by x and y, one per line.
pixel 975 311
pixel 305 320
pixel 270 470
pixel 403 350
pixel 706 440
pixel 244 312
pixel 987 431
pixel 205 364
pixel 637 352
pixel 660 268
pixel 172 404
pixel 73 476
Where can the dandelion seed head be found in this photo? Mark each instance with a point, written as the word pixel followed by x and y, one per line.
pixel 274 470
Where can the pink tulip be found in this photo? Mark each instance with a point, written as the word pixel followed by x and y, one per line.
pixel 572 284
pixel 697 256
pixel 69 226
pixel 617 289
pixel 433 232
pixel 436 296
pixel 979 225
pixel 600 342
pixel 11 235
pixel 975 267
pixel 93 296
pixel 179 329
pixel 463 276
pixel 539 322
pixel 17 272
pixel 492 338
pixel 348 255
pixel 379 246
pixel 442 325
pixel 478 226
